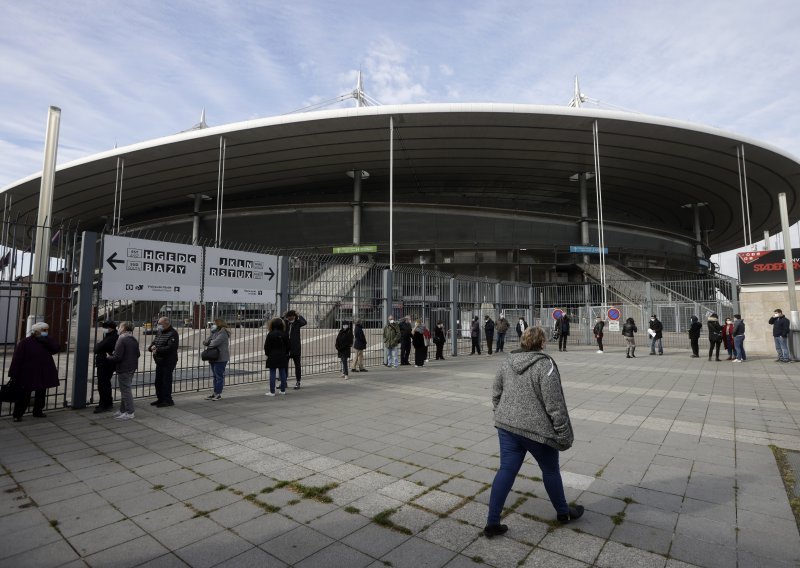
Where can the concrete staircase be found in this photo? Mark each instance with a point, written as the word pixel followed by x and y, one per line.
pixel 318 299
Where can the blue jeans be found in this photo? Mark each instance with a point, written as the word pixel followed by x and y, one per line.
pixel 391 355
pixel 782 347
pixel 501 341
pixel 283 373
pixel 513 448
pixel 653 343
pixel 345 366
pixel 738 347
pixel 218 369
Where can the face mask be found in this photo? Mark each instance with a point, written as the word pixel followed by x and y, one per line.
pixel 159 327
pixel 214 327
pixel 727 321
pixel 652 319
pixel 345 326
pixel 776 315
pixel 391 321
pixel 43 333
pixel 440 326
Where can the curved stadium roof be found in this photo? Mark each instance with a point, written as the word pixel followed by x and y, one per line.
pixel 482 157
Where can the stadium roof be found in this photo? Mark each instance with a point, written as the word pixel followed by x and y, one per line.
pixel 518 158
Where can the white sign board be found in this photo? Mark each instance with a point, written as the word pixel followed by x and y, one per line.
pixel 613 326
pixel 140 269
pixel 241 277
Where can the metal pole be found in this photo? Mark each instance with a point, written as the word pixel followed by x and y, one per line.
pixel 794 319
pixel 283 284
pixel 391 193
pixel 746 199
pixel 584 214
pixel 198 199
pixel 41 251
pixel 766 240
pixel 454 317
pixel 741 194
pixel 356 211
pixel 80 377
pixel 388 305
pixel 697 236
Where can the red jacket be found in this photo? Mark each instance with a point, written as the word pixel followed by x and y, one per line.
pixel 727 335
pixel 32 364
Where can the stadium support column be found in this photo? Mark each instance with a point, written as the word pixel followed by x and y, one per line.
pixel 697 231
pixel 41 252
pixel 357 176
pixel 388 302
pixel 587 289
pixel 454 317
pixel 80 376
pixel 788 260
pixel 283 285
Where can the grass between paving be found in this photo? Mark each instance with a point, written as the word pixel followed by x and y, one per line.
pixel 788 476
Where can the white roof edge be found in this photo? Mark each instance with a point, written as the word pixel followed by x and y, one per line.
pixel 410 109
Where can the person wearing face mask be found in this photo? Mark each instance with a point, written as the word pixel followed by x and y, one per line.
pixel 33 370
pixel 391 340
pixel 714 335
pixel 501 328
pixel 105 368
pixel 344 341
pixel 292 322
pixel 219 339
pixel 165 353
pixel 780 333
pixel 694 335
pixel 488 330
pixel 359 344
pixel 126 361
pixel 738 338
pixel 655 330
pixel 418 341
pixel 727 338
pixel 475 336
pixel 628 331
pixel 598 333
pixel 522 325
pixel 438 340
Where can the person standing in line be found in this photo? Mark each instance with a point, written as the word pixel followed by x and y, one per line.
pixel 219 339
pixel 277 348
pixel 292 322
pixel 599 324
pixel 418 340
pixel 439 340
pixel 714 335
pixel 165 353
pixel 105 368
pixel 656 329
pixel 406 330
pixel 501 328
pixel 628 329
pixel 475 336
pixel 738 338
pixel 522 325
pixel 391 340
pixel 488 330
pixel 780 334
pixel 344 342
pixel 126 359
pixel 33 370
pixel 562 326
pixel 694 335
pixel 359 344
pixel 530 415
pixel 727 339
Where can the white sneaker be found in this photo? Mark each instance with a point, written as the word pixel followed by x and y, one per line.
pixel 269 393
pixel 118 413
pixel 737 360
pixel 125 416
pixel 599 350
pixel 282 392
pixel 217 397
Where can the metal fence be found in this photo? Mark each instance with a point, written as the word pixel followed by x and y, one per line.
pixel 327 291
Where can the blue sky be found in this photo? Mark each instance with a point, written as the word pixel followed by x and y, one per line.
pixel 124 72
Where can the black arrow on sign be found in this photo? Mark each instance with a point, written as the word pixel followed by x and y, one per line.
pixel 113 263
pixel 271 274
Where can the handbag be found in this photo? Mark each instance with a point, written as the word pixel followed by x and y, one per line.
pixel 210 354
pixel 8 391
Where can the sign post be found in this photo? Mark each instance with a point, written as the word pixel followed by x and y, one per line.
pixel 241 277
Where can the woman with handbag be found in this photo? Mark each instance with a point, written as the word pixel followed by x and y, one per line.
pixel 217 353
pixel 32 369
pixel 714 335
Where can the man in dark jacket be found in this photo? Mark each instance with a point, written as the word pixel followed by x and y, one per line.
pixel 406 329
pixel 738 339
pixel 488 329
pixel 165 353
pixel 501 328
pixel 562 325
pixel 105 368
pixel 656 328
pixel 694 335
pixel 780 333
pixel 293 322
pixel 598 333
pixel 359 345
pixel 475 335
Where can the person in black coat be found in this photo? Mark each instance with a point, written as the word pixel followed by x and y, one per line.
pixel 475 335
pixel 105 368
pixel 438 340
pixel 598 333
pixel 165 353
pixel 420 344
pixel 656 336
pixel 628 330
pixel 562 326
pixel 359 344
pixel 694 335
pixel 406 329
pixel 522 325
pixel 292 323
pixel 344 341
pixel 276 348
pixel 488 330
pixel 714 335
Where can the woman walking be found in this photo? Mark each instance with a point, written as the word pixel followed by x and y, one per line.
pixel 276 348
pixel 33 370
pixel 628 329
pixel 530 415
pixel 359 344
pixel 344 341
pixel 714 335
pixel 418 341
pixel 220 340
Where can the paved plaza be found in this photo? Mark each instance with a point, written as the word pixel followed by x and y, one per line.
pixel 393 468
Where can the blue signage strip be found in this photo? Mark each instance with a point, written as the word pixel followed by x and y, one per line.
pixel 587 250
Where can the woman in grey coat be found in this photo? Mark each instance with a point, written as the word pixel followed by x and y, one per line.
pixel 530 415
pixel 220 338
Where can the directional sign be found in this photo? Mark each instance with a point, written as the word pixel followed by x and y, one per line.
pixel 241 277
pixel 140 269
pixel 582 249
pixel 614 314
pixel 355 249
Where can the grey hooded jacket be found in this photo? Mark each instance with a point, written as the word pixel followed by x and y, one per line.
pixel 528 400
